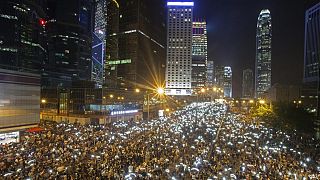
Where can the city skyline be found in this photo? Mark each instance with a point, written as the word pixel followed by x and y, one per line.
pixel 157 89
pixel 232 31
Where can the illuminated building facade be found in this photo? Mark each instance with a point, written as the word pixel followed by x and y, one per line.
pixel 141 44
pixel 99 42
pixel 247 83
pixel 210 73
pixel 199 53
pixel 227 84
pixel 223 79
pixel 179 48
pixel 263 53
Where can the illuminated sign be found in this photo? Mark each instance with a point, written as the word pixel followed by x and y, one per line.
pixel 123 112
pixel 178 92
pixel 180 3
pixel 123 61
pixel 160 113
pixel 7 138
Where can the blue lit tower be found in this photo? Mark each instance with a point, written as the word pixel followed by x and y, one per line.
pixel 179 48
pixel 263 53
pixel 99 42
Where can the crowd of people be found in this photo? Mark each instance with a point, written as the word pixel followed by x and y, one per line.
pixel 201 141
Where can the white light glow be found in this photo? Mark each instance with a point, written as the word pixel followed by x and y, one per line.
pixel 180 3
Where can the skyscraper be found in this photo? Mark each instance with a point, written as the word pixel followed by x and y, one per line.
pixel 112 44
pixel 311 60
pixel 312 45
pixel 263 53
pixel 179 48
pixel 210 73
pixel 141 43
pixel 219 76
pixel 199 53
pixel 69 30
pixel 22 36
pixel 223 79
pixel 247 83
pixel 227 84
pixel 99 42
pixel 22 54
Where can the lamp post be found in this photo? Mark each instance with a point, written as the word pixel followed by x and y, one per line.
pixel 159 91
pixel 43 101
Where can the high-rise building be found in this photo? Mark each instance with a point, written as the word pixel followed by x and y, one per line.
pixel 141 44
pixel 247 83
pixel 310 92
pixel 179 48
pixel 210 73
pixel 227 84
pixel 223 80
pixel 199 53
pixel 69 30
pixel 112 44
pixel 312 45
pixel 219 76
pixel 99 42
pixel 263 53
pixel 22 54
pixel 22 37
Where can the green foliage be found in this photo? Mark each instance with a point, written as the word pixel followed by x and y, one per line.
pixel 263 111
pixel 289 117
pixel 285 116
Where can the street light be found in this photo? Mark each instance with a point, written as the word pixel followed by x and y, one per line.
pixel 137 90
pixel 160 92
pixel 262 101
pixel 43 101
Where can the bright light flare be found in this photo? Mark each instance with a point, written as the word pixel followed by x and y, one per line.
pixel 160 91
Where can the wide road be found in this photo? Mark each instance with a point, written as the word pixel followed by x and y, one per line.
pixel 201 141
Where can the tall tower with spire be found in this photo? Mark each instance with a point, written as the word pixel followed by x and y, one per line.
pixel 263 53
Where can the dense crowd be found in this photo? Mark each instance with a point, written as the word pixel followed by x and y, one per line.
pixel 201 141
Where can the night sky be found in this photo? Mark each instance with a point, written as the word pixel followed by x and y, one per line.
pixel 232 31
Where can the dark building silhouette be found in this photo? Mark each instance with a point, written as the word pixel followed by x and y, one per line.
pixel 112 44
pixel 22 35
pixel 141 38
pixel 69 30
pixel 247 83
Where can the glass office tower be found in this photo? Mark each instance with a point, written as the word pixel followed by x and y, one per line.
pixel 199 53
pixel 263 53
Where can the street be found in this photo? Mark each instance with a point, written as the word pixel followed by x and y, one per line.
pixel 201 141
